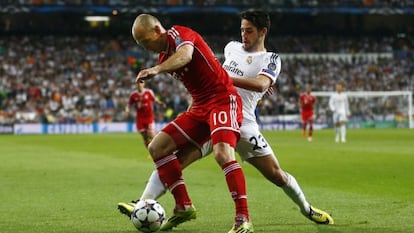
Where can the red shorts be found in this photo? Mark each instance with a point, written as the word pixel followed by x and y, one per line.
pixel 221 121
pixel 145 125
pixel 307 116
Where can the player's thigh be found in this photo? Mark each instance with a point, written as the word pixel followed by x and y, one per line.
pixel 310 116
pixel 206 147
pixel 252 143
pixel 139 124
pixel 336 118
pixel 147 129
pixel 225 120
pixel 304 117
pixel 162 144
pixel 190 153
pixel 144 124
pixel 342 118
pixel 307 116
pixel 187 129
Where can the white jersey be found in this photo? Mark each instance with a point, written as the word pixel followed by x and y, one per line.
pixel 242 64
pixel 338 103
pixel 239 63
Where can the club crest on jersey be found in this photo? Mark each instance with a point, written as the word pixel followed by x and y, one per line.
pixel 271 66
pixel 178 40
pixel 273 61
pixel 249 60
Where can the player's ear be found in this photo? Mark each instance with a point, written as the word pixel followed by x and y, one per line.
pixel 157 29
pixel 264 31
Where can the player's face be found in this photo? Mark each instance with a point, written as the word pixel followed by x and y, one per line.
pixel 149 39
pixel 338 87
pixel 251 37
pixel 140 86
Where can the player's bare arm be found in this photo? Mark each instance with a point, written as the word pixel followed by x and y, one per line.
pixel 162 104
pixel 179 59
pixel 259 84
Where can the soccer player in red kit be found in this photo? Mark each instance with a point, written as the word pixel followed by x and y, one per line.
pixel 216 111
pixel 307 102
pixel 143 101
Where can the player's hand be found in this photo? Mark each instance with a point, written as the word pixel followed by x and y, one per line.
pixel 146 74
pixel 126 115
pixel 270 91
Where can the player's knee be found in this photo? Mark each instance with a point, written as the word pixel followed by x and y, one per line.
pixel 223 153
pixel 162 144
pixel 153 150
pixel 157 150
pixel 221 158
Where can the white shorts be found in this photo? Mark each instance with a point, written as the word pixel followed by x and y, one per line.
pixel 339 117
pixel 251 143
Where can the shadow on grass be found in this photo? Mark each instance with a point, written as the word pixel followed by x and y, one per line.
pixel 299 227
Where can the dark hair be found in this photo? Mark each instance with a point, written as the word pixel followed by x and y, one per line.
pixel 341 82
pixel 258 18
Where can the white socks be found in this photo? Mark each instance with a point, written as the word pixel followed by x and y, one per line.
pixel 340 132
pixel 295 193
pixel 343 133
pixel 154 189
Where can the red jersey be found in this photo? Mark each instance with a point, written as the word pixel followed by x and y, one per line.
pixel 306 102
pixel 203 77
pixel 143 103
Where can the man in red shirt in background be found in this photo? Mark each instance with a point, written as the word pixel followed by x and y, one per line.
pixel 307 102
pixel 143 101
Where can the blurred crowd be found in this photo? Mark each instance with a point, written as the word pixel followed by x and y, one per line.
pixel 280 3
pixel 359 74
pixel 58 79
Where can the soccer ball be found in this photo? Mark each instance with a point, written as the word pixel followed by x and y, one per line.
pixel 148 215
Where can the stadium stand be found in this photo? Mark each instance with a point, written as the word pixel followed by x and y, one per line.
pixel 53 71
pixel 288 3
pixel 84 79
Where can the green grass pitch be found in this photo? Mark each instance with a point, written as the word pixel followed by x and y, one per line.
pixel 72 183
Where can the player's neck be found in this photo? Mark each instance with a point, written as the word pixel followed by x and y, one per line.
pixel 261 46
pixel 167 45
pixel 257 49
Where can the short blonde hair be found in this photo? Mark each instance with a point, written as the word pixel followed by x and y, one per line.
pixel 146 21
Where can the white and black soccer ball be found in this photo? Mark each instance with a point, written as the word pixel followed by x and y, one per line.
pixel 148 216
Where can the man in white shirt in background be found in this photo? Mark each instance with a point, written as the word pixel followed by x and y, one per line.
pixel 338 104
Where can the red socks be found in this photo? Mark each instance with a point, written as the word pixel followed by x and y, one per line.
pixel 170 172
pixel 237 187
pixel 310 130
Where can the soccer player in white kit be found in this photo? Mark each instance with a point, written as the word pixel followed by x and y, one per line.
pixel 253 70
pixel 338 104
